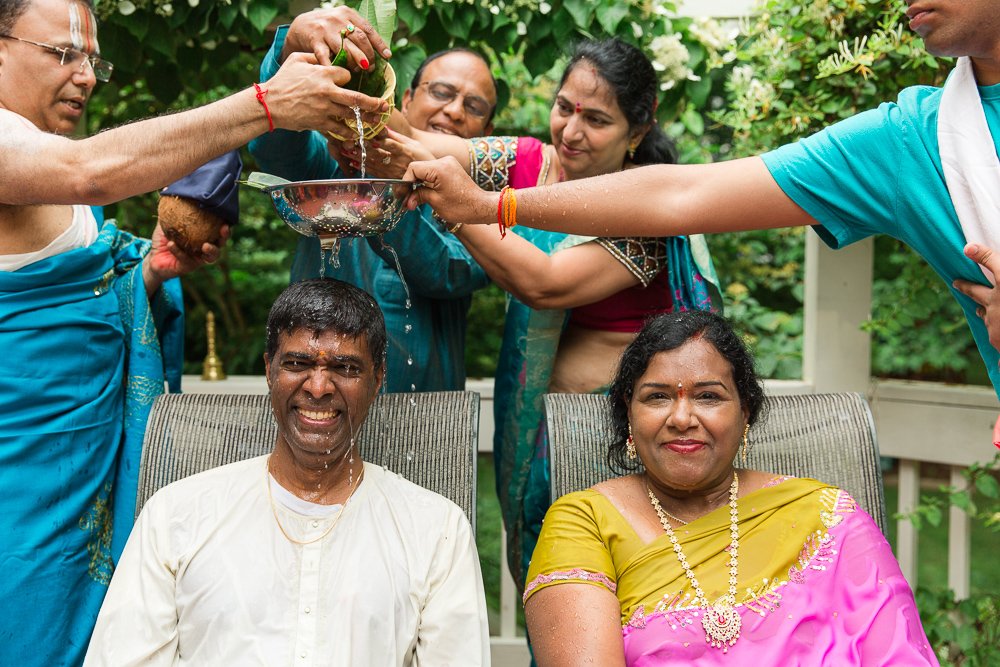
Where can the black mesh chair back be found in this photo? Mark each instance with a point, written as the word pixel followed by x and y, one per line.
pixel 829 437
pixel 429 438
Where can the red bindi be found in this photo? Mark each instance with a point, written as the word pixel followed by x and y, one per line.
pixel 579 109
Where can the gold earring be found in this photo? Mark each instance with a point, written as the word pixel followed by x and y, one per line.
pixel 630 445
pixel 631 151
pixel 746 445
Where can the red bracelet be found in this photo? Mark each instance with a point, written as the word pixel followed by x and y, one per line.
pixel 261 92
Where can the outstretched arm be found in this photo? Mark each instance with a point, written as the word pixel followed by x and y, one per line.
pixel 657 200
pixel 573 624
pixel 41 168
pixel 568 278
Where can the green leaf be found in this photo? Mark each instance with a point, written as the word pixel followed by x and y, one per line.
pixel 382 15
pixel 610 16
pixel 228 14
pixel 260 15
pixel 166 86
pixel 580 10
pixel 987 485
pixel 693 121
pixel 413 18
pixel 137 24
pixel 461 24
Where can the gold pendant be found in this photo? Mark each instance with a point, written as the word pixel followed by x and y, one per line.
pixel 722 625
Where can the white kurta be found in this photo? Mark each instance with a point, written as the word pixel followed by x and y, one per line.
pixel 207 578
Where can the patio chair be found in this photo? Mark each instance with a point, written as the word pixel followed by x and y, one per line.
pixel 829 437
pixel 429 438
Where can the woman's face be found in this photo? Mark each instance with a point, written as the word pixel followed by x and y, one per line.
pixel 589 130
pixel 687 419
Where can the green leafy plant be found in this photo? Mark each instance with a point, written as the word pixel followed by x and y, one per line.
pixel 963 632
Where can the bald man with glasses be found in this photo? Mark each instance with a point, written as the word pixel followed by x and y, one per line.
pixel 90 317
pixel 453 92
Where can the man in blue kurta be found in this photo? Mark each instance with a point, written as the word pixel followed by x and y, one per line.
pixel 90 316
pixel 450 93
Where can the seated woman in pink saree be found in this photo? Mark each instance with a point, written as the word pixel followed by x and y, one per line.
pixel 693 561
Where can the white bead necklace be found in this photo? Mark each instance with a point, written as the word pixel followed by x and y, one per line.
pixel 721 621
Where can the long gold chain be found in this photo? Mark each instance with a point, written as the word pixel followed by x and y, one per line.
pixel 721 622
pixel 274 510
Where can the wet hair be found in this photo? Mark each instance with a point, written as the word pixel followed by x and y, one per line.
pixel 323 305
pixel 631 76
pixel 418 75
pixel 670 331
pixel 12 10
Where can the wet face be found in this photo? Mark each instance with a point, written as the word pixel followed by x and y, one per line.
pixel 957 27
pixel 589 130
pixel 33 83
pixel 455 96
pixel 322 385
pixel 686 417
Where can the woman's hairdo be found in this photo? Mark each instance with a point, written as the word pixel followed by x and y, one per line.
pixel 669 332
pixel 631 76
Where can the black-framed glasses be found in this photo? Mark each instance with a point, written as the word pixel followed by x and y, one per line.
pixel 74 58
pixel 445 93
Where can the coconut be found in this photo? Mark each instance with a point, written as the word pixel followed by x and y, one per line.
pixel 188 225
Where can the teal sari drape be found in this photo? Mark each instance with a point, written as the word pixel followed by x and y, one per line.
pixel 82 363
pixel 527 355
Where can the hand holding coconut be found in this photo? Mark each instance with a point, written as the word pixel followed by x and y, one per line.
pixel 195 215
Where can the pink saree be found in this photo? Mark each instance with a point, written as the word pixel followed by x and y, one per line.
pixel 817 584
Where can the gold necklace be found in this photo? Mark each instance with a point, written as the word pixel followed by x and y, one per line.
pixel 274 510
pixel 721 621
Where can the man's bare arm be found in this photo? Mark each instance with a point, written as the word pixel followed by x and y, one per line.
pixel 41 168
pixel 657 200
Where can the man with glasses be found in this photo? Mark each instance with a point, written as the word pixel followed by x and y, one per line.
pixel 452 92
pixel 89 314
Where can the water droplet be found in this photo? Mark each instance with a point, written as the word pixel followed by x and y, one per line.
pixel 413 387
pixel 413 402
pixel 408 304
pixel 408 328
pixel 409 455
pixel 409 361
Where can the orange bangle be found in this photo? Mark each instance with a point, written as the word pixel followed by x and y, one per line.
pixel 261 92
pixel 506 210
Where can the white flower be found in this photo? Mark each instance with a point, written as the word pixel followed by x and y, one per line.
pixel 670 58
pixel 126 8
pixel 712 34
pixel 192 3
pixel 522 29
pixel 544 7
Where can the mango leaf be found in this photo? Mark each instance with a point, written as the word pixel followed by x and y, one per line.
pixel 382 15
pixel 260 180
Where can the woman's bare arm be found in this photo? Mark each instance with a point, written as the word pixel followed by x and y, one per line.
pixel 575 624
pixel 568 278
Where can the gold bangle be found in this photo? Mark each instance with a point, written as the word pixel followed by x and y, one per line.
pixel 453 228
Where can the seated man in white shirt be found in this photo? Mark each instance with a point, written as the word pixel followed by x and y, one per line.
pixel 308 555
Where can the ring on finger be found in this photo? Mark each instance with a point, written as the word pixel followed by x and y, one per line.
pixel 350 27
pixel 387 159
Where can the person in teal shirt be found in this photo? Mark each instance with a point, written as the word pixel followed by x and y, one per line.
pixel 453 92
pixel 879 172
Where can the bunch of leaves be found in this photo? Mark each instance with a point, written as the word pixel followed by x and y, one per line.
pixel 963 632
pixel 918 330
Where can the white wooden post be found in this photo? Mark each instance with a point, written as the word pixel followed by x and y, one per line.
pixel 906 534
pixel 836 353
pixel 959 542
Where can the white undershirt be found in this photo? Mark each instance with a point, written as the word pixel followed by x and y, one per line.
pixel 82 231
